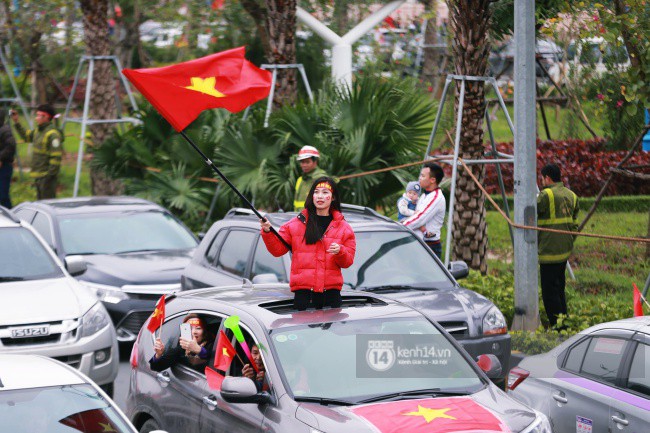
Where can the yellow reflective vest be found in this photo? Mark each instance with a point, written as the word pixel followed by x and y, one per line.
pixel 557 208
pixel 303 185
pixel 47 148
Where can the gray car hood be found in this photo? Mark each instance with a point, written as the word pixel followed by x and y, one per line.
pixel 156 267
pixel 43 301
pixel 486 411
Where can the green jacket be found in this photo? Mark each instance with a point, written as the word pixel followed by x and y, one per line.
pixel 47 148
pixel 303 184
pixel 557 208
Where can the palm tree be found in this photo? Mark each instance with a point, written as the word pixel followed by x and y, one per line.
pixel 470 23
pixel 95 20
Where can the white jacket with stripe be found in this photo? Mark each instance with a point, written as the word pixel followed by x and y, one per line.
pixel 430 213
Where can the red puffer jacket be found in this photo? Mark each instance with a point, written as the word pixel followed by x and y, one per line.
pixel 311 266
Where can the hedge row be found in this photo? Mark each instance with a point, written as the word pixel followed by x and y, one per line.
pixel 585 167
pixel 634 203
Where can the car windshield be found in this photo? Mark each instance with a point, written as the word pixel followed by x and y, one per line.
pixel 393 258
pixel 349 360
pixel 24 257
pixel 59 409
pixel 123 233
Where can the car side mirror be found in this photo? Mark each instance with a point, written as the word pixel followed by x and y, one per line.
pixel 265 279
pixel 490 365
pixel 243 390
pixel 458 269
pixel 76 265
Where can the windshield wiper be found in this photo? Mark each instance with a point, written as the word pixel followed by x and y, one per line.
pixel 144 250
pixel 4 279
pixel 393 287
pixel 433 392
pixel 324 401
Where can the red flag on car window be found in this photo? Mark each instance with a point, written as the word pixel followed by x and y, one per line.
pixel 224 353
pixel 214 378
pixel 638 307
pixel 182 91
pixel 158 315
pixel 89 421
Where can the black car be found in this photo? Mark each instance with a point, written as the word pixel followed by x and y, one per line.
pixel 390 260
pixel 134 250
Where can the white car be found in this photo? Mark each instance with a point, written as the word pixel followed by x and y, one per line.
pixel 41 395
pixel 45 311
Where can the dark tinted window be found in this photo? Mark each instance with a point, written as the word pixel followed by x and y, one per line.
pixel 42 225
pixel 603 358
pixel 25 214
pixel 211 255
pixel 265 263
pixel 234 254
pixel 576 355
pixel 640 370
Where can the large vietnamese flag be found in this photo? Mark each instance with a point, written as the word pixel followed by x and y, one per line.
pixel 182 91
pixel 439 415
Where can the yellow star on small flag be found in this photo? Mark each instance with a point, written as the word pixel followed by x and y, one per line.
pixel 107 427
pixel 225 352
pixel 156 313
pixel 205 85
pixel 430 414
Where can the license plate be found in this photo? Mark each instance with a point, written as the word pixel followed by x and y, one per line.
pixel 35 331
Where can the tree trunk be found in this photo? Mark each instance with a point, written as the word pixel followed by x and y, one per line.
pixel 281 27
pixel 128 32
pixel 102 100
pixel 341 16
pixel 430 55
pixel 470 22
pixel 258 12
pixel 647 247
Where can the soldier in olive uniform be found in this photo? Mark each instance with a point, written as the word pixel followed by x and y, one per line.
pixel 47 150
pixel 308 158
pixel 557 208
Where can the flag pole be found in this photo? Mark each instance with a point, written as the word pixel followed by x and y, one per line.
pixel 210 164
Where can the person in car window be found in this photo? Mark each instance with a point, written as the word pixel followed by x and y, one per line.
pixel 249 372
pixel 194 352
pixel 322 243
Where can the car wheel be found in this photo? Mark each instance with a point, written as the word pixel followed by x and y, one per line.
pixel 108 388
pixel 149 426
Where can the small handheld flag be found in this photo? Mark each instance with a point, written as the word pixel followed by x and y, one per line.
pixel 224 353
pixel 232 323
pixel 214 378
pixel 638 306
pixel 158 315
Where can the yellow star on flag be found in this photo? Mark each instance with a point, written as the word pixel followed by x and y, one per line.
pixel 107 427
pixel 205 85
pixel 156 313
pixel 430 414
pixel 225 352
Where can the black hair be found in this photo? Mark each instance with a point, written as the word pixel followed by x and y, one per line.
pixel 312 232
pixel 46 108
pixel 552 171
pixel 313 158
pixel 435 171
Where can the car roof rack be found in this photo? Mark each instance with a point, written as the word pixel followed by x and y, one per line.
pixel 346 208
pixel 4 211
pixel 285 306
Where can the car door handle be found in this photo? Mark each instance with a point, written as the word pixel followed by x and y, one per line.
pixel 560 399
pixel 163 377
pixel 618 420
pixel 210 401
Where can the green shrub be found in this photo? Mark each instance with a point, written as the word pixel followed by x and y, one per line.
pixel 630 203
pixel 540 341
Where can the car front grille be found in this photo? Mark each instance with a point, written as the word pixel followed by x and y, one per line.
pixel 60 332
pixel 134 321
pixel 456 329
pixel 72 360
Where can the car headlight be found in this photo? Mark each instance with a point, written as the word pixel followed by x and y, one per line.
pixel 494 322
pixel 540 425
pixel 110 294
pixel 94 320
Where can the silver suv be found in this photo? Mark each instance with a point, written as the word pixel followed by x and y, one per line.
pixel 44 311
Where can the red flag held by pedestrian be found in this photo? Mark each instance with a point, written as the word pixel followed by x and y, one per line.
pixel 158 315
pixel 224 353
pixel 182 91
pixel 638 306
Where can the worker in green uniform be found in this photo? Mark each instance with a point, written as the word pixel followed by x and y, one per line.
pixel 557 208
pixel 308 158
pixel 47 149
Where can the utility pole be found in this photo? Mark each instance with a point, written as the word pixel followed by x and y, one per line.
pixel 525 171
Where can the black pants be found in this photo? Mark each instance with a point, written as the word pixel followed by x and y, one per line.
pixel 5 182
pixel 553 282
pixel 305 298
pixel 436 247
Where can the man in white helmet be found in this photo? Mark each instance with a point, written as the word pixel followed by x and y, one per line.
pixel 308 158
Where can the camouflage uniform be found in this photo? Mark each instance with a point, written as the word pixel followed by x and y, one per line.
pixel 47 150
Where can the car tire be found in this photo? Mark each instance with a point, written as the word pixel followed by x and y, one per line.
pixel 108 388
pixel 149 426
